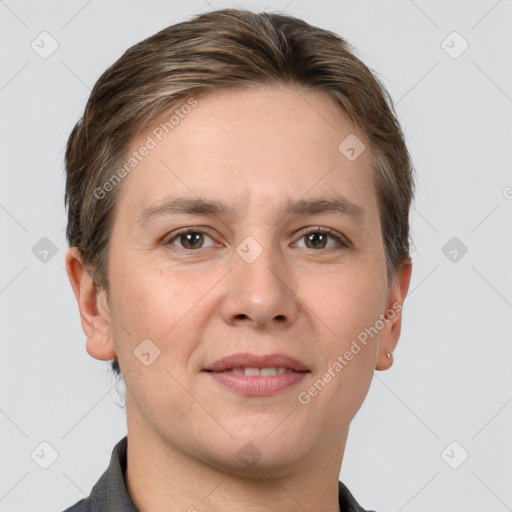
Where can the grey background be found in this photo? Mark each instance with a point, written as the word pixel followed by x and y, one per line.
pixel 451 379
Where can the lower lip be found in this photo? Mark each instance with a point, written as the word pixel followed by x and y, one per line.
pixel 258 385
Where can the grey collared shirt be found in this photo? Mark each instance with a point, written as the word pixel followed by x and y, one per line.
pixel 110 493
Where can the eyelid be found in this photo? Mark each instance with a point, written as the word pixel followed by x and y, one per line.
pixel 171 237
pixel 341 239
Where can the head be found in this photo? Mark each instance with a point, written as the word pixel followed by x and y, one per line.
pixel 253 124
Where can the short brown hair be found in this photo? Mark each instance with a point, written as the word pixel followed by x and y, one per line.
pixel 219 50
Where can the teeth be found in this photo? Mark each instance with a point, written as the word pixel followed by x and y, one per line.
pixel 252 372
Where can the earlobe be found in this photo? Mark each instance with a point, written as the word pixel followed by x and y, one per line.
pixel 384 364
pixel 393 316
pixel 94 312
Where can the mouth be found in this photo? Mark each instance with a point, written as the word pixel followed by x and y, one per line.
pixel 252 362
pixel 255 372
pixel 253 375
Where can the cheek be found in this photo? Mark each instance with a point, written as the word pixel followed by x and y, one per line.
pixel 159 304
pixel 346 301
pixel 349 306
pixel 349 303
pixel 151 296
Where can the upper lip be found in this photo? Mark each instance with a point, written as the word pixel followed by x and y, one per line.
pixel 246 360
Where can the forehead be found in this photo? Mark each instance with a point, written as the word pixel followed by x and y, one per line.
pixel 252 144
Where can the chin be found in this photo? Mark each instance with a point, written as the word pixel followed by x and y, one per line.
pixel 258 452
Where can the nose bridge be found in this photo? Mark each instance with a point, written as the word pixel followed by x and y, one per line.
pixel 259 287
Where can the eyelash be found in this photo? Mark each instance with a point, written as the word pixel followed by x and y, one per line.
pixel 342 242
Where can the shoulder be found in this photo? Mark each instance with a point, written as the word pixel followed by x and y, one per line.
pixel 81 506
pixel 347 501
pixel 109 492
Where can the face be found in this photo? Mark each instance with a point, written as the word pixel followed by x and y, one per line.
pixel 246 230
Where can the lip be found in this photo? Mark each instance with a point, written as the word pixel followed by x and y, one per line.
pixel 222 372
pixel 247 360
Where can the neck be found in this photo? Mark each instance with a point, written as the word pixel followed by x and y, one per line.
pixel 161 476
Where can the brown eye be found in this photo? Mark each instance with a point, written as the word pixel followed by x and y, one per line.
pixel 316 240
pixel 190 240
pixel 322 239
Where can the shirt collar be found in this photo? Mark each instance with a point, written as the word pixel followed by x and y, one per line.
pixel 110 491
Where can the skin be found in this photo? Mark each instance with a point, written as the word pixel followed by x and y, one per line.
pixel 253 149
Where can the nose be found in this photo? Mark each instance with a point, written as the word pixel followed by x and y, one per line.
pixel 260 293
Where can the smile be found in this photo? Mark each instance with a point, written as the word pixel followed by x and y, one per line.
pixel 257 381
pixel 253 372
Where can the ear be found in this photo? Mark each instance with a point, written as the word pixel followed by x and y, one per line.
pixel 93 306
pixel 390 333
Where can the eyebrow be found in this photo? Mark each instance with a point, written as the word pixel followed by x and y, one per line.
pixel 196 206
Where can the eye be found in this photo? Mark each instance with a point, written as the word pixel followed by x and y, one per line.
pixel 189 239
pixel 318 238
